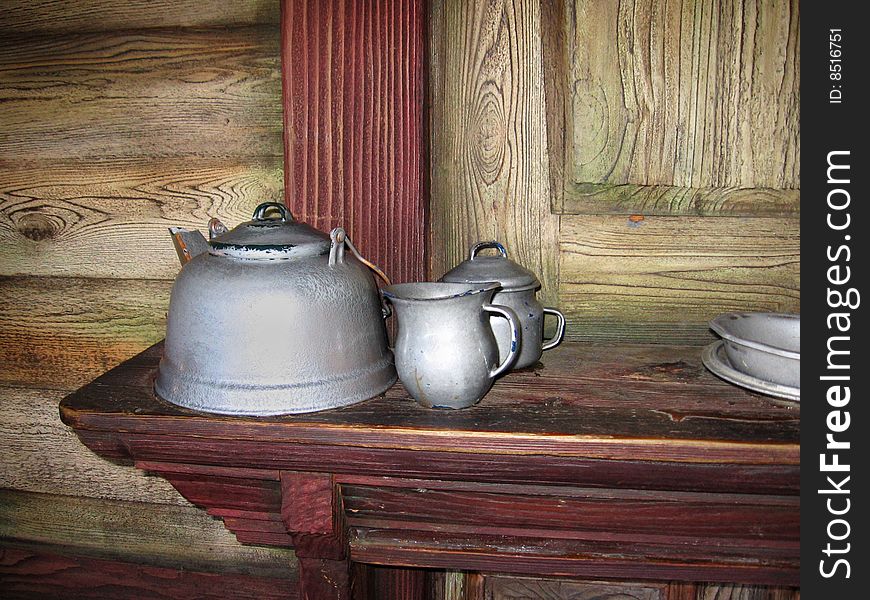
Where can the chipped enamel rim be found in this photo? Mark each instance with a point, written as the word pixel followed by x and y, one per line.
pixel 436 290
pixel 276 252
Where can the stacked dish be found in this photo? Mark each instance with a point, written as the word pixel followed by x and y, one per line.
pixel 758 351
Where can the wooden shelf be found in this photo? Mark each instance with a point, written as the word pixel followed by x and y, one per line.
pixel 625 462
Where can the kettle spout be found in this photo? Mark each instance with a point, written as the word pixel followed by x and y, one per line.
pixel 188 243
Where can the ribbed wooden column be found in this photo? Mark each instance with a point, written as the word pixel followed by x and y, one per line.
pixel 353 124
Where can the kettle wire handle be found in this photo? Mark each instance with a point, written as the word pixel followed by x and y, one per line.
pixel 340 238
pixel 492 244
pixel 262 209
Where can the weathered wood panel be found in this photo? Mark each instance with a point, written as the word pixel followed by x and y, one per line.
pixel 490 177
pixel 514 588
pixel 152 534
pixel 593 198
pixel 455 585
pixel 41 454
pixel 141 94
pixel 692 95
pixel 746 592
pixel 63 16
pixel 27 574
pixel 353 110
pixel 110 218
pixel 661 279
pixel 60 333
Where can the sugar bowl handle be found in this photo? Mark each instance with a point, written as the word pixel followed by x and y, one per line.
pixel 560 329
pixel 482 245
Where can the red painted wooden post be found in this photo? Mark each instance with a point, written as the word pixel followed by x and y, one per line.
pixel 353 124
pixel 311 510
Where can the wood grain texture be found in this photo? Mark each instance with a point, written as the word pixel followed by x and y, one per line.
pixel 661 279
pixel 43 455
pixel 548 557
pixel 594 198
pixel 450 584
pixel 308 504
pixel 149 93
pixel 109 219
pixel 249 507
pixel 529 527
pixel 353 123
pixel 151 534
pixel 555 69
pixel 745 592
pixel 119 119
pixel 678 590
pixel 700 520
pixel 39 573
pixel 66 16
pixel 516 588
pixel 323 579
pixel 490 175
pixel 371 581
pixel 59 332
pixel 695 94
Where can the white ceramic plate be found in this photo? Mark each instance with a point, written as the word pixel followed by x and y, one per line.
pixel 715 359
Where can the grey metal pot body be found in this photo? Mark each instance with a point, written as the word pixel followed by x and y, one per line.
pixel 531 316
pixel 274 336
pixel 518 292
pixel 446 355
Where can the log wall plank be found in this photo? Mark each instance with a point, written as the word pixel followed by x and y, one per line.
pixel 110 218
pixel 60 333
pixel 37 573
pixel 661 279
pixel 151 534
pixel 119 120
pixel 490 176
pixel 43 455
pixel 141 94
pixel 64 16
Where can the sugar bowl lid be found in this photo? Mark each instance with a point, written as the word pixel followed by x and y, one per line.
pixel 483 268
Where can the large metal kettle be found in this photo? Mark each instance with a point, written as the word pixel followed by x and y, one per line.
pixel 272 317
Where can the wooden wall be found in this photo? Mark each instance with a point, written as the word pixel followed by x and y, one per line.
pixel 117 119
pixel 641 156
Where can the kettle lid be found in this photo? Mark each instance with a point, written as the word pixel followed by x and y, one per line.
pixel 271 238
pixel 484 268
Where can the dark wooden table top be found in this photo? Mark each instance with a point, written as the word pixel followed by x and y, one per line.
pixel 645 402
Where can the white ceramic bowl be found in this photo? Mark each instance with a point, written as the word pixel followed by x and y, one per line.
pixel 763 345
